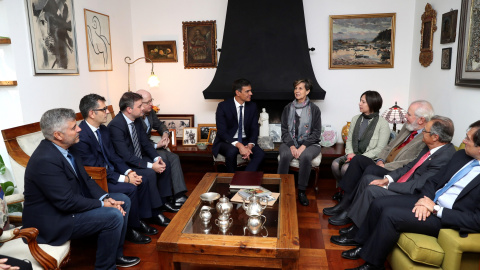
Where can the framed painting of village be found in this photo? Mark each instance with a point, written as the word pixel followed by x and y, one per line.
pixel 362 41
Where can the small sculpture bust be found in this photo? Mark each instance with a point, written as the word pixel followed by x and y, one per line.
pixel 264 125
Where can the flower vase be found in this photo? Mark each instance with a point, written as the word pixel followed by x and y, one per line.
pixel 345 130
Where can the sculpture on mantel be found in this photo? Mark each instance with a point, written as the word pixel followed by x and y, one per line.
pixel 264 124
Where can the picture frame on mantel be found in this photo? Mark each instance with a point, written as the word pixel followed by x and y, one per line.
pixel 160 51
pixel 54 42
pixel 468 70
pixel 362 41
pixel 177 122
pixel 99 47
pixel 200 44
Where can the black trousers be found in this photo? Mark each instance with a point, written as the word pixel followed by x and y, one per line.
pixel 386 219
pixel 24 265
pixel 230 152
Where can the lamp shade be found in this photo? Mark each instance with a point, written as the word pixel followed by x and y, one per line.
pixel 395 115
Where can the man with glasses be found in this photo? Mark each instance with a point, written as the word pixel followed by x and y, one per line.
pixel 449 199
pixel 151 121
pixel 96 149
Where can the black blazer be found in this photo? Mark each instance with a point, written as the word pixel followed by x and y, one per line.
pixel 428 168
pixel 465 212
pixel 53 194
pixel 154 124
pixel 227 123
pixel 123 144
pixel 89 150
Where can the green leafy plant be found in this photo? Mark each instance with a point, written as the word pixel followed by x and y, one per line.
pixel 8 187
pixel 2 165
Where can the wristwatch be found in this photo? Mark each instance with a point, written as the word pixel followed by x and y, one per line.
pixel 106 197
pixel 436 208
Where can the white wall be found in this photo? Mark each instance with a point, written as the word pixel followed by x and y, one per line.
pixel 180 90
pixel 34 95
pixel 438 85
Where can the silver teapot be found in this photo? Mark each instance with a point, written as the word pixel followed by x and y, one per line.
pixel 224 206
pixel 255 225
pixel 205 215
pixel 223 222
pixel 255 207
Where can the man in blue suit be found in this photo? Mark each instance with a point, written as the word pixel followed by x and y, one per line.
pixel 64 203
pixel 132 145
pixel 237 128
pixel 96 149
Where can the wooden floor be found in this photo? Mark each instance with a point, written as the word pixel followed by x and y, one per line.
pixel 316 251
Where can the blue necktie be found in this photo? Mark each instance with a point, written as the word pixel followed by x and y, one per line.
pixel 136 145
pixel 240 125
pixel 83 189
pixel 109 165
pixel 455 179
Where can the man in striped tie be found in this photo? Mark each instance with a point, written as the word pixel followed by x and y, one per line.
pixel 449 199
pixel 437 153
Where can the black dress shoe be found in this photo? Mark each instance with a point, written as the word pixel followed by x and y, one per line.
pixel 367 266
pixel 136 237
pixel 179 201
pixel 161 220
pixel 302 197
pixel 127 261
pixel 337 196
pixel 346 230
pixel 332 211
pixel 340 219
pixel 168 207
pixel 147 230
pixel 352 254
pixel 343 240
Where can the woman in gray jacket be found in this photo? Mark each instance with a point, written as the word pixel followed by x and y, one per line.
pixel 301 129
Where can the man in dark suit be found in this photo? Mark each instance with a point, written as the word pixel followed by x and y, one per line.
pixel 449 199
pixel 64 203
pixel 132 145
pixel 404 148
pixel 437 153
pixel 151 121
pixel 237 128
pixel 96 149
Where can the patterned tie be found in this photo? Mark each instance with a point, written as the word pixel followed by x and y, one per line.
pixel 406 176
pixel 102 148
pixel 409 139
pixel 240 125
pixel 455 179
pixel 136 145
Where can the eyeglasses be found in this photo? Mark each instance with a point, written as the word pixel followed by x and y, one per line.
pixel 102 109
pixel 148 102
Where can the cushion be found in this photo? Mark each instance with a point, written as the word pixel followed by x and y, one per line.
pixel 221 158
pixel 421 248
pixel 296 163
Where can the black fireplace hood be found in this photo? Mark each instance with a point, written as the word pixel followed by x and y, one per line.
pixel 264 41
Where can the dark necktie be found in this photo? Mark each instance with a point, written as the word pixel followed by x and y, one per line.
pixel 409 139
pixel 136 145
pixel 406 176
pixel 455 179
pixel 102 148
pixel 75 169
pixel 240 125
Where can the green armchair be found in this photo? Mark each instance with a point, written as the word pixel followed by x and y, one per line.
pixel 448 252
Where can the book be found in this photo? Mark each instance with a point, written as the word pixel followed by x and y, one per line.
pixel 272 198
pixel 248 180
pixel 260 192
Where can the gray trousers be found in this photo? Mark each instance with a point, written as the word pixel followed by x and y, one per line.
pixel 305 161
pixel 178 182
pixel 364 196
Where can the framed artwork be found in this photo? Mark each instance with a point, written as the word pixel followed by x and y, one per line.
pixel 160 51
pixel 200 44
pixel 449 27
pixel 177 122
pixel 190 136
pixel 276 132
pixel 362 41
pixel 53 37
pixel 204 130
pixel 172 136
pixel 212 133
pixel 99 47
pixel 468 62
pixel 446 58
pixel 429 26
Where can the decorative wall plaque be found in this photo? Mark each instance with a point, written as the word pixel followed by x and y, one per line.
pixel 429 26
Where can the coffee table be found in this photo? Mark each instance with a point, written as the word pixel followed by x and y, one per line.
pixel 187 240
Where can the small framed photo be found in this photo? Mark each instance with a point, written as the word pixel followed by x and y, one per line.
pixel 446 58
pixel 276 132
pixel 160 51
pixel 177 121
pixel 172 136
pixel 449 27
pixel 204 130
pixel 190 136
pixel 99 47
pixel 200 44
pixel 212 133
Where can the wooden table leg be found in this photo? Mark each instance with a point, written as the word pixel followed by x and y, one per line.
pixel 290 264
pixel 165 261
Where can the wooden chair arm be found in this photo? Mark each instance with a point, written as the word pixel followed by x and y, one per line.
pixel 99 174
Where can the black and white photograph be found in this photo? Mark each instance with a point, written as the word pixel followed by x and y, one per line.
pixel 204 130
pixel 99 47
pixel 211 135
pixel 177 121
pixel 276 132
pixel 190 136
pixel 53 37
